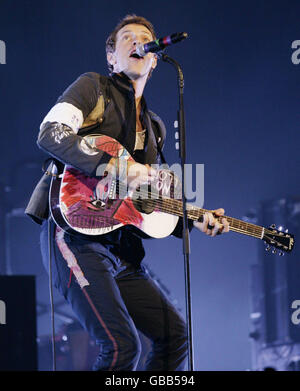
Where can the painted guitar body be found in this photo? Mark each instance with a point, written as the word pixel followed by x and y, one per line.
pixel 86 205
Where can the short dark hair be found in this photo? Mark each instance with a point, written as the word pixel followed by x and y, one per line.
pixel 128 19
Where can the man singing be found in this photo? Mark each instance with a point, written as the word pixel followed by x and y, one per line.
pixel 103 277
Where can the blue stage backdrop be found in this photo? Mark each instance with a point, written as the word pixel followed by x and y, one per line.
pixel 242 117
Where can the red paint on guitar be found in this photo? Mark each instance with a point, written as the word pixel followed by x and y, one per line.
pixel 127 214
pixel 77 187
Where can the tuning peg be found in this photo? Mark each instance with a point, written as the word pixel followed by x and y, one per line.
pixel 273 226
pixel 268 248
pixel 281 253
pixel 286 231
pixel 274 250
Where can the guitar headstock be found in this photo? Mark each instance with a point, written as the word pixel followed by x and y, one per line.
pixel 278 239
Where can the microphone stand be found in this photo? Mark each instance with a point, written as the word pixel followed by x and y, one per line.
pixel 185 233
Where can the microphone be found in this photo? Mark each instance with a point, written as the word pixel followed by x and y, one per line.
pixel 159 44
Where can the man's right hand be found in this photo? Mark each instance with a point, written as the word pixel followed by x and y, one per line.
pixel 137 174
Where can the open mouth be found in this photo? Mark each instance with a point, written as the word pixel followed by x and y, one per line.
pixel 135 55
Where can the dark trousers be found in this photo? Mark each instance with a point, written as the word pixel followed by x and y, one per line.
pixel 113 299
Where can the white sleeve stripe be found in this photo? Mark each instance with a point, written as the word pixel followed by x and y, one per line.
pixel 67 114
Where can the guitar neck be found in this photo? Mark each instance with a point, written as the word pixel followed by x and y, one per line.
pixel 195 213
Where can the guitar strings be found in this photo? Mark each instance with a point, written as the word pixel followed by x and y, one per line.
pixel 166 204
pixel 257 230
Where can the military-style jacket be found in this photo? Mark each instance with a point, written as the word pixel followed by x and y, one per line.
pixel 104 105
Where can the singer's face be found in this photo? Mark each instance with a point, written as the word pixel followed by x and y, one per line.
pixel 123 59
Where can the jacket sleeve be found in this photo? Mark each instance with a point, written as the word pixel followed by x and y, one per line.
pixel 58 131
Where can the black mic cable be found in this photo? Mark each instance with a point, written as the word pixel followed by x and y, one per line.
pixel 53 174
pixel 51 298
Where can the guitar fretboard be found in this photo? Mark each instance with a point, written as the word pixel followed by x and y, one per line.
pixel 195 213
pixel 174 207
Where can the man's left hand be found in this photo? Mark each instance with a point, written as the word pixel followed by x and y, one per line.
pixel 210 225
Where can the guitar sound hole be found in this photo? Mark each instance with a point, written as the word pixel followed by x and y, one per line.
pixel 144 206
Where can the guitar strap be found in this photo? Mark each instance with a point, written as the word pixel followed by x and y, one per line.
pixel 155 125
pixel 156 132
